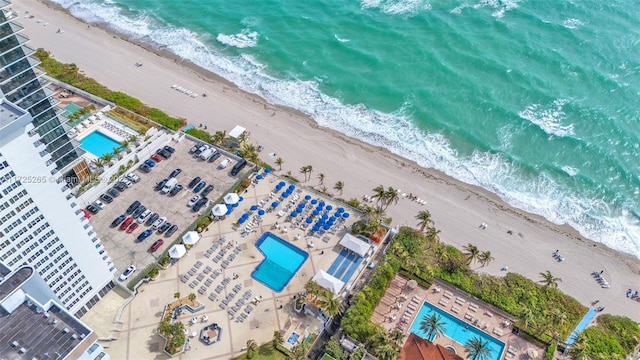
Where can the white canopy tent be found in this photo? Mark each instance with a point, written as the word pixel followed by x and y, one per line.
pixel 219 210
pixel 354 244
pixel 236 132
pixel 231 198
pixel 328 282
pixel 177 251
pixel 191 238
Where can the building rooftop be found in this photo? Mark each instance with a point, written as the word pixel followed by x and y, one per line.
pixel 9 113
pixel 14 281
pixel 28 333
pixel 417 348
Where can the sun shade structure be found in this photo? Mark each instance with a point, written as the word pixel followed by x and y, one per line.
pixel 236 132
pixel 219 210
pixel 328 282
pixel 191 238
pixel 231 198
pixel 354 244
pixel 177 251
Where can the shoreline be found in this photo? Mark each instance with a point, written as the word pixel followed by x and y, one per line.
pixel 455 196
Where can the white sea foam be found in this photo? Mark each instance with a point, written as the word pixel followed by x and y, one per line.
pixel 572 23
pixel 341 39
pixel 548 118
pixel 397 7
pixel 244 39
pixel 500 7
pixel 570 170
pixel 538 194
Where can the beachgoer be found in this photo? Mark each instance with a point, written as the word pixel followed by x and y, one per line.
pixel 58 32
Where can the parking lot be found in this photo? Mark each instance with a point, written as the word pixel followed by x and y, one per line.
pixel 121 246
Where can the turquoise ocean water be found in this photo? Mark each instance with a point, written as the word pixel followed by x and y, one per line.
pixel 536 101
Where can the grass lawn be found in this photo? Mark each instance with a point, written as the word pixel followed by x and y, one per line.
pixel 327 357
pixel 265 352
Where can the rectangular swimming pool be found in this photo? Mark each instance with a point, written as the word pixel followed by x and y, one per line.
pixel 99 144
pixel 282 261
pixel 457 330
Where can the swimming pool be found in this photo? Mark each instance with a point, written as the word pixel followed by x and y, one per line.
pixel 457 330
pixel 99 144
pixel 282 261
pixel 581 326
pixel 293 338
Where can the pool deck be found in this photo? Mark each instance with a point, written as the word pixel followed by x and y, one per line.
pixel 400 301
pixel 135 333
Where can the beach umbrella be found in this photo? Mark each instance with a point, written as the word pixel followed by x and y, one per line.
pixel 235 205
pixel 291 187
pixel 321 203
pixel 245 215
pixel 228 211
pixel 332 218
pixel 231 198
pixel 267 170
pixel 278 187
pixel 340 210
pixel 219 210
pixel 345 215
pixel 315 212
pixel 329 208
pixel 281 184
pixel 307 197
pixel 301 205
pixel 260 212
pixel 240 198
pixel 314 201
pixel 242 220
pixel 177 251
pixel 259 177
pixel 294 214
pixel 309 220
pixel 274 204
pixel 319 207
pixel 254 207
pixel 324 217
pixel 285 194
pixel 326 226
pixel 316 228
pixel 412 284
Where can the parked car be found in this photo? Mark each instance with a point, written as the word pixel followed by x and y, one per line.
pixel 113 192
pixel 145 168
pixel 238 167
pixel 164 153
pixel 169 149
pixel 145 234
pixel 117 221
pixel 157 158
pixel 166 226
pixel 106 198
pixel 133 177
pixel 207 190
pixel 200 186
pixel 160 185
pixel 126 182
pixel 176 189
pixel 175 173
pixel 156 245
pixel 150 163
pixel 171 230
pixel 99 204
pixel 93 209
pixel 139 211
pixel 201 149
pixel 143 217
pixel 152 218
pixel 214 157
pixel 193 200
pixel 125 275
pixel 120 186
pixel 193 149
pixel 159 222
pixel 132 227
pixel 199 204
pixel 224 163
pixel 134 205
pixel 194 182
pixel 125 224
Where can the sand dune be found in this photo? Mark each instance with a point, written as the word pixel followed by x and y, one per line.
pixel 458 209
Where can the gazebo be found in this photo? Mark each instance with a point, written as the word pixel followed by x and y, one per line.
pixel 177 251
pixel 328 282
pixel 219 210
pixel 191 238
pixel 231 198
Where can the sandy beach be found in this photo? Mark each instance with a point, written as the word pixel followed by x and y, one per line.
pixel 457 208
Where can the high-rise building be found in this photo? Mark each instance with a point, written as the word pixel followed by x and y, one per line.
pixel 40 225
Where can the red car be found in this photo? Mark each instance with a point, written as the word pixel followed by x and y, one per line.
pixel 132 227
pixel 156 245
pixel 126 223
pixel 156 158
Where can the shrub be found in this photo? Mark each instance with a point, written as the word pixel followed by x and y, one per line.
pixel 199 134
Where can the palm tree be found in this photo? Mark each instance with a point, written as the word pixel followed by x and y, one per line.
pixel 485 258
pixel 425 219
pixel 379 194
pixel 397 336
pixel 391 196
pixel 279 162
pixel 133 139
pixel 324 189
pixel 304 171
pixel 125 144
pixel 321 178
pixel 331 305
pixel 312 287
pixel 116 152
pixel 192 297
pixel 219 137
pixel 250 152
pixel 107 158
pixel 432 325
pixel 580 348
pixel 548 280
pixel 277 339
pixel 252 346
pixel 99 162
pixel 177 296
pixel 477 348
pixel 309 170
pixel 471 252
pixel 339 186
pixel 387 352
pixel 299 352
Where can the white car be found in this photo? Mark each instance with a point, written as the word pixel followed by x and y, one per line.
pixel 125 275
pixel 143 217
pixel 224 163
pixel 126 183
pixel 99 204
pixel 133 177
pixel 193 200
pixel 159 222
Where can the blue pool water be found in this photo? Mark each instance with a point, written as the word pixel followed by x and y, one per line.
pixel 282 261
pixel 457 330
pixel 99 144
pixel 581 326
pixel 293 338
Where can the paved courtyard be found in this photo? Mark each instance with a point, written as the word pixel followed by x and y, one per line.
pixel 201 271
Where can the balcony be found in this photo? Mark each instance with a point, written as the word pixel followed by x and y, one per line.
pixel 19 67
pixel 9 29
pixel 10 43
pixel 4 4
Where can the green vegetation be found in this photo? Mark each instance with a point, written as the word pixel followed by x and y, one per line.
pixel 613 335
pixel 131 119
pixel 174 333
pixel 334 350
pixel 266 352
pixel 200 134
pixel 70 74
pixel 477 348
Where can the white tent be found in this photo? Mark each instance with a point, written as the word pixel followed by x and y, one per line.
pixel 328 282
pixel 231 198
pixel 191 238
pixel 219 210
pixel 354 244
pixel 236 132
pixel 177 251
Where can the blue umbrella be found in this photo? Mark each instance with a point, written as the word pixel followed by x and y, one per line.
pixel 309 220
pixel 292 187
pixel 301 205
pixel 259 177
pixel 278 187
pixel 326 226
pixel 345 215
pixel 260 212
pixel 285 194
pixel 307 197
pixel 229 211
pixel 316 228
pixel 332 218
pixel 321 203
pixel 314 201
pixel 240 198
pixel 267 170
pixel 294 214
pixel 299 209
pixel 235 205
pixel 340 210
pixel 253 207
pixel 228 207
pixel 245 215
pixel 329 208
pixel 274 204
pixel 320 207
pixel 281 184
pixel 324 217
pixel 316 213
pixel 242 220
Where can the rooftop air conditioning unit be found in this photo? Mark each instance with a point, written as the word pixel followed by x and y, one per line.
pixel 15 344
pixel 22 350
pixel 74 337
pixel 65 330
